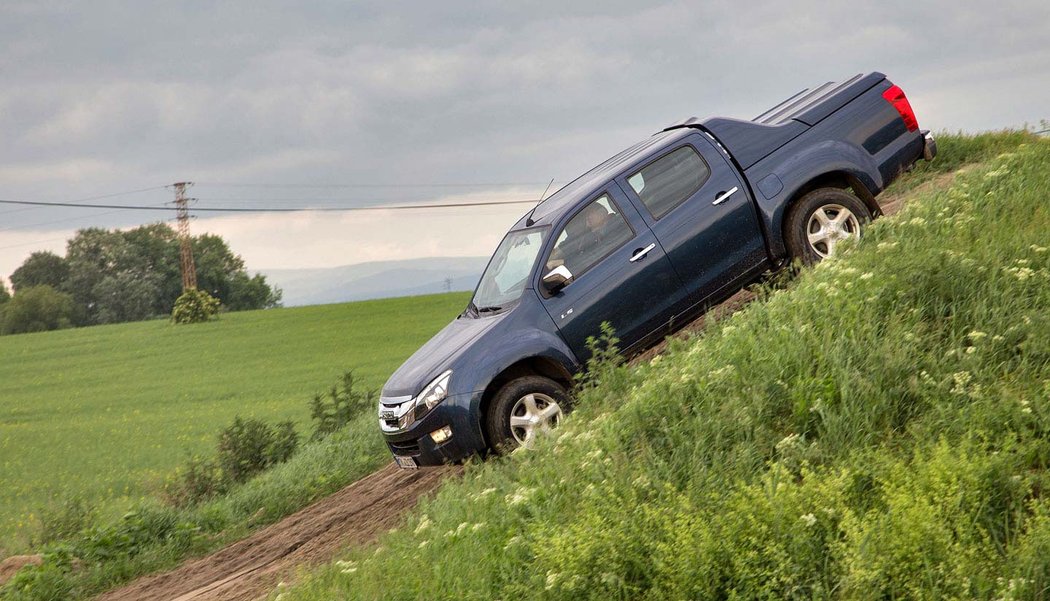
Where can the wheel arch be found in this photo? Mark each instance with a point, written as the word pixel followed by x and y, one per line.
pixel 537 365
pixel 843 180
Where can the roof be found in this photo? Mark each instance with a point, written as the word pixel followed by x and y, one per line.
pixel 586 185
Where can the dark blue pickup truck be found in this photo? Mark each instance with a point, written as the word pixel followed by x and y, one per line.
pixel 647 241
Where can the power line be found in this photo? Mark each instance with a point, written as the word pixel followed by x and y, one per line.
pixel 67 219
pixel 310 199
pixel 98 197
pixel 360 185
pixel 447 205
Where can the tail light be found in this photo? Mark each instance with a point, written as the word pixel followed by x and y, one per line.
pixel 895 96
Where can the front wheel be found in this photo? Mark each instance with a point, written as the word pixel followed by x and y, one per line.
pixel 523 409
pixel 820 220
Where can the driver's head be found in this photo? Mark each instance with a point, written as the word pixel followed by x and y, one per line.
pixel 596 216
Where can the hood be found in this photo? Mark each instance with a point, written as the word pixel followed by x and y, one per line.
pixel 438 355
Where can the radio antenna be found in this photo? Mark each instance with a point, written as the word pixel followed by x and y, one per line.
pixel 528 220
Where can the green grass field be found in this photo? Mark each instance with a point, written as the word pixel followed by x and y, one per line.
pixel 107 412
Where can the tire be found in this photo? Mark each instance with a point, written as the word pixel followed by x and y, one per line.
pixel 512 401
pixel 819 220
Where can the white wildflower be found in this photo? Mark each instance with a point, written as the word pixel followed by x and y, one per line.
pixel 423 524
pixel 809 519
pixel 962 381
pixel 519 496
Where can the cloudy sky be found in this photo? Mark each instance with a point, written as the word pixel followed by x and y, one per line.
pixel 369 103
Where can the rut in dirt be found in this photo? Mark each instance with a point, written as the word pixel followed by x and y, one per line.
pixel 251 568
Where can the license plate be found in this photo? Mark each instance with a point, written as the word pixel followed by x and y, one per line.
pixel 408 463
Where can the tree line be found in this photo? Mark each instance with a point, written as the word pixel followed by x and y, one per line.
pixel 112 276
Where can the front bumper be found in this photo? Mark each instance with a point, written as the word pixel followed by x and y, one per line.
pixel 416 442
pixel 929 149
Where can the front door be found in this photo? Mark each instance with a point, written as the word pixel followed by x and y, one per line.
pixel 699 209
pixel 620 275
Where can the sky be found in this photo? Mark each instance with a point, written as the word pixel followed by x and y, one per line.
pixel 325 103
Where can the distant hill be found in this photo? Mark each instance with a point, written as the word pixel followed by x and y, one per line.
pixel 379 279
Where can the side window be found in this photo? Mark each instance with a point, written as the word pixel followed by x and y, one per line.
pixel 668 181
pixel 592 234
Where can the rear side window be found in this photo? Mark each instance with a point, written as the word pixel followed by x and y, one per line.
pixel 589 237
pixel 668 181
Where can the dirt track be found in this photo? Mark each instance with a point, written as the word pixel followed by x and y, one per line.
pixel 250 569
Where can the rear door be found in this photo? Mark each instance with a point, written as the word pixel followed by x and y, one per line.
pixel 699 209
pixel 620 275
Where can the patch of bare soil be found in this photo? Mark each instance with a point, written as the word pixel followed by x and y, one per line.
pixel 892 202
pixel 251 568
pixel 359 513
pixel 10 566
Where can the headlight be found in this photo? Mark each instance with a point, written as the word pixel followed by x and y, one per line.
pixel 435 392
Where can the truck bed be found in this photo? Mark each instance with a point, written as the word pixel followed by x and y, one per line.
pixel 751 141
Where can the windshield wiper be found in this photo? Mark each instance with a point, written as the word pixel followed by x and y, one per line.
pixel 492 309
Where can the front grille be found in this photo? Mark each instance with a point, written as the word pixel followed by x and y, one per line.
pixel 408 447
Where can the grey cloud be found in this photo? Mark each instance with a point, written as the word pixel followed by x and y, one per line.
pixel 105 96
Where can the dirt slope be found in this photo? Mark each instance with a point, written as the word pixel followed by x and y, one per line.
pixel 251 568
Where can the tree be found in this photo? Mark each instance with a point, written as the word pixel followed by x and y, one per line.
pixel 126 296
pixel 91 254
pixel 4 294
pixel 41 268
pixel 115 276
pixel 155 250
pixel 216 265
pixel 251 293
pixel 37 309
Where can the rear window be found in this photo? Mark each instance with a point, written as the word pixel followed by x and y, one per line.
pixel 668 181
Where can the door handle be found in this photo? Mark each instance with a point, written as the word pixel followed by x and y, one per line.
pixel 642 252
pixel 723 196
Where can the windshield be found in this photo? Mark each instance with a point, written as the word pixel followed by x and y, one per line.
pixel 508 270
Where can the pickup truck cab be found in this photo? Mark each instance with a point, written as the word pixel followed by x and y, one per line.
pixel 647 241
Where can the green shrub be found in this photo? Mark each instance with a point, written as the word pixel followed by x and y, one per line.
pixel 37 309
pixel 194 306
pixel 340 406
pixel 249 446
pixel 63 518
pixel 197 480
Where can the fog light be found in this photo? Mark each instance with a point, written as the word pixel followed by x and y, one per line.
pixel 442 435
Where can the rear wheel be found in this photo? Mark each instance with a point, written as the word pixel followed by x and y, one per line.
pixel 523 409
pixel 820 220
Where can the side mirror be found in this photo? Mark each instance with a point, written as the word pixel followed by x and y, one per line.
pixel 558 278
